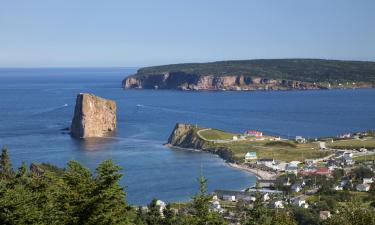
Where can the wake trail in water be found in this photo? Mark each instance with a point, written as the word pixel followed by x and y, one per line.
pixel 48 110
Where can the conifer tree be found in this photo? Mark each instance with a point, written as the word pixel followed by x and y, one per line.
pixel 6 170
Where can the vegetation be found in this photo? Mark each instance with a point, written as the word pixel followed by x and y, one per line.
pixel 214 134
pixel 366 142
pixel 308 70
pixel 45 194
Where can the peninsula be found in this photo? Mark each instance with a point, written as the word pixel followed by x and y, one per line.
pixel 267 155
pixel 262 74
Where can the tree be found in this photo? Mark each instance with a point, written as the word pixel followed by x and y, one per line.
pixel 169 215
pixel 353 213
pixel 107 204
pixel 153 213
pixel 6 170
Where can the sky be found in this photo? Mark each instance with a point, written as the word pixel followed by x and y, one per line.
pixel 122 33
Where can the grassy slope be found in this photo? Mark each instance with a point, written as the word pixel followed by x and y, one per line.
pixel 214 134
pixel 284 153
pixel 368 142
pixel 308 70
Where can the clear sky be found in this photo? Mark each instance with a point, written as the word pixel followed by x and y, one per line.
pixel 37 33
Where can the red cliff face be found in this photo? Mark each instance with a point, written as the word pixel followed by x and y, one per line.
pixel 184 81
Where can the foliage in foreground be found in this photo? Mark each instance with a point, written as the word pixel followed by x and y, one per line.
pixel 45 194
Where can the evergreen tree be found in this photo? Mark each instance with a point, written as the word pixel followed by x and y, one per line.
pixel 153 214
pixel 6 170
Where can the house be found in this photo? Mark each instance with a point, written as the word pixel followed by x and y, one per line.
pixel 251 156
pixel 267 162
pixel 322 145
pixel 310 161
pixel 266 183
pixel 323 215
pixel 291 168
pixel 348 135
pixel 300 139
pixel 323 171
pixel 300 202
pixel 338 188
pixel 296 188
pixel 235 138
pixel 253 133
pixel 162 206
pixel 368 180
pixel 216 207
pixel 277 204
pixel 363 187
pixel 347 159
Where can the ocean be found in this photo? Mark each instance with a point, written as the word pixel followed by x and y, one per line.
pixel 37 104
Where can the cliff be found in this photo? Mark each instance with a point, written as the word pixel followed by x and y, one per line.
pixel 282 74
pixel 185 136
pixel 93 116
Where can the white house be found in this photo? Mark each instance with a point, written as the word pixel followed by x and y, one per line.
pixel 368 180
pixel 300 202
pixel 363 187
pixel 251 156
pixel 322 145
pixel 300 139
pixel 296 188
pixel 161 205
pixel 278 204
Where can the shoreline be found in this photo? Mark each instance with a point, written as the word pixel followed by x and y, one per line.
pixel 259 174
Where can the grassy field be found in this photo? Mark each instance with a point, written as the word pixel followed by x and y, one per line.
pixel 365 158
pixel 368 142
pixel 284 151
pixel 213 134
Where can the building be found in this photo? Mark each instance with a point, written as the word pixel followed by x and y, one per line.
pixel 300 202
pixel 296 188
pixel 291 168
pixel 368 180
pixel 322 145
pixel 347 159
pixel 300 139
pixel 323 171
pixel 267 162
pixel 251 156
pixel 363 187
pixel 323 215
pixel 254 133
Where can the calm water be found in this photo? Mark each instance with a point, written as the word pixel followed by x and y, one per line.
pixel 35 104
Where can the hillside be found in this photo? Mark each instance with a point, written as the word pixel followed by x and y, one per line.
pixel 262 74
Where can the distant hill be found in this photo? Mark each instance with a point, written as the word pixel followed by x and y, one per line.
pixel 275 74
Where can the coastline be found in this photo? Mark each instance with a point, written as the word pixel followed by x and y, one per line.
pixel 259 174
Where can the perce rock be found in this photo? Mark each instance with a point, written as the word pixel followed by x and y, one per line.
pixel 93 116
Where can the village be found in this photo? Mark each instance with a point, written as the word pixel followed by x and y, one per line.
pixel 344 169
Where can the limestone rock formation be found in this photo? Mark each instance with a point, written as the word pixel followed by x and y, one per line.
pixel 93 116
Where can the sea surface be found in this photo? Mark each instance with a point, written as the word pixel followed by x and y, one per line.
pixel 36 104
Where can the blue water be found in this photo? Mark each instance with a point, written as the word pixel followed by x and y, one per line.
pixel 35 104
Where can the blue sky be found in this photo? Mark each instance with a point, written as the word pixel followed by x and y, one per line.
pixel 125 33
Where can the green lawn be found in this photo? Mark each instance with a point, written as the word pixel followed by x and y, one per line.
pixel 367 142
pixel 363 158
pixel 283 152
pixel 213 134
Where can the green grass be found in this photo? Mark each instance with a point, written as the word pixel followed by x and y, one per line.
pixel 214 134
pixel 283 152
pixel 367 142
pixel 365 158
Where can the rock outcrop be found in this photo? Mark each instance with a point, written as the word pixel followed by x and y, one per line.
pixel 93 116
pixel 185 136
pixel 184 81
